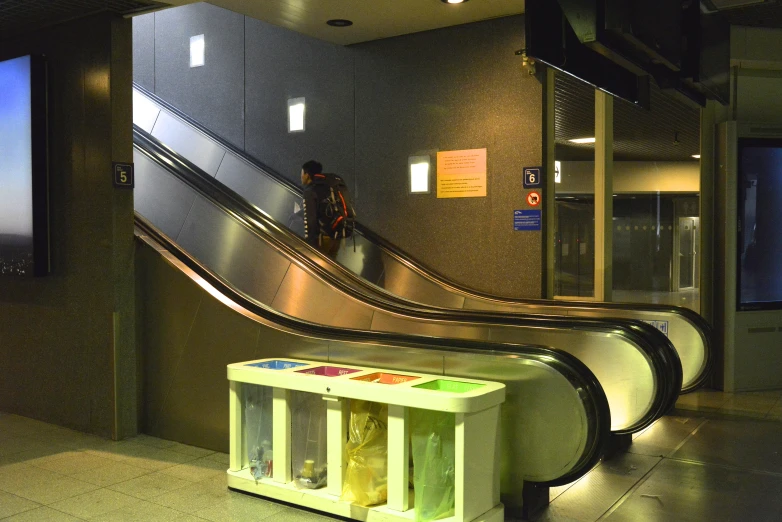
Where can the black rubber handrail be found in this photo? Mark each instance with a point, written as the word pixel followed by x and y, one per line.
pixel 656 346
pixel 582 379
pixel 415 265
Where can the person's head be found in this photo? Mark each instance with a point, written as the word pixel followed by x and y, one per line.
pixel 308 170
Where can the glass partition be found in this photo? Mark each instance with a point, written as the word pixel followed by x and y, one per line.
pixel 574 125
pixel 656 232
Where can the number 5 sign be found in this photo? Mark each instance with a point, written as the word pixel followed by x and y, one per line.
pixel 123 175
pixel 532 177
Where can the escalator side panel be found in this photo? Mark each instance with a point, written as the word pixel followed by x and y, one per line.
pixel 227 248
pixel 402 281
pixel 303 296
pixel 186 391
pixel 558 424
pixel 386 322
pixel 683 334
pixel 263 192
pixel 203 152
pixel 160 197
pixel 145 112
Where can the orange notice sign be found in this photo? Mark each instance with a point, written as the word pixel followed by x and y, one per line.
pixel 461 173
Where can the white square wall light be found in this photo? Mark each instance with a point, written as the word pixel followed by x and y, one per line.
pixel 418 167
pixel 296 115
pixel 197 48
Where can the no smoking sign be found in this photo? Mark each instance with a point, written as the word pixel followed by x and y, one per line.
pixel 533 199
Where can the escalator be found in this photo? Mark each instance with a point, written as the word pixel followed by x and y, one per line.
pixel 382 266
pixel 555 421
pixel 636 365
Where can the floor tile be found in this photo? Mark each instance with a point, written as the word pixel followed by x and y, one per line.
pixel 752 404
pixel 702 400
pixel 111 474
pixel 144 456
pixel 42 514
pixel 193 498
pixel 297 515
pixel 666 435
pixel 152 441
pixel 197 470
pixel 94 503
pixel 141 511
pixel 222 458
pixel 55 488
pixel 73 463
pixel 239 507
pixel 150 486
pixel 11 505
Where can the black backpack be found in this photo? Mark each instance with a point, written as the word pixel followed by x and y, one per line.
pixel 335 206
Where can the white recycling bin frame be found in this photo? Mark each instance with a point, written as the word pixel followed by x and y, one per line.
pixel 477 437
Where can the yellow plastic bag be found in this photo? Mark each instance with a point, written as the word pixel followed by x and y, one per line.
pixel 366 477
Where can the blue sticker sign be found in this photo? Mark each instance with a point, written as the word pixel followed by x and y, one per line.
pixel 660 325
pixel 532 177
pixel 527 220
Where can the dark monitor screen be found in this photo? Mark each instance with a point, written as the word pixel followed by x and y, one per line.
pixel 23 172
pixel 760 224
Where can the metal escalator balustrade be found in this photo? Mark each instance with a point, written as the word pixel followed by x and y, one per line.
pixel 555 420
pixel 249 250
pixel 381 263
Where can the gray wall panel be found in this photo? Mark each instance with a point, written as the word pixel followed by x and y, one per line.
pixel 63 336
pixel 281 65
pixel 451 89
pixel 372 105
pixel 212 94
pixel 144 51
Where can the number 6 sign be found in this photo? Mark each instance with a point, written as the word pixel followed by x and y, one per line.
pixel 532 177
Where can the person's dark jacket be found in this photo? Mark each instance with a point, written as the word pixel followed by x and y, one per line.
pixel 312 195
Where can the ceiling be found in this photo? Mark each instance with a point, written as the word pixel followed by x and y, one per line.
pixel 21 16
pixel 372 19
pixel 669 131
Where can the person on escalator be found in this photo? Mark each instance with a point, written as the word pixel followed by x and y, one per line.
pixel 329 216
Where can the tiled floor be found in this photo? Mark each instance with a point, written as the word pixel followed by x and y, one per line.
pixel 48 473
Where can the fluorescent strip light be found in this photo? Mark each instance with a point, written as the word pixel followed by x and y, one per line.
pixel 696 156
pixel 582 140
pixel 296 115
pixel 197 48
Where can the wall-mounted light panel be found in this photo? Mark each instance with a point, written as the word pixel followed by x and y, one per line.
pixel 197 48
pixel 419 168
pixel 296 115
pixel 557 172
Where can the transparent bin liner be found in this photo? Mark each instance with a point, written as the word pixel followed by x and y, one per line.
pixel 258 429
pixel 308 440
pixel 434 463
pixel 366 476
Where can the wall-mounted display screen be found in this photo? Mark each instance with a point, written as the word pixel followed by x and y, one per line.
pixel 24 234
pixel 760 224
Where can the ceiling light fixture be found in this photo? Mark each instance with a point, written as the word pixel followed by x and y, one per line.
pixel 453 1
pixel 582 140
pixel 339 22
pixel 696 156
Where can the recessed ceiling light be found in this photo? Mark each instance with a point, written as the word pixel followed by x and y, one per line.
pixel 339 22
pixel 696 156
pixel 582 140
pixel 453 1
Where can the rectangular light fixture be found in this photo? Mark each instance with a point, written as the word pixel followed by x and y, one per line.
pixel 419 167
pixel 197 47
pixel 557 172
pixel 696 156
pixel 296 115
pixel 582 140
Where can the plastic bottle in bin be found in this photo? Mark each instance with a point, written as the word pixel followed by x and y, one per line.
pixel 262 461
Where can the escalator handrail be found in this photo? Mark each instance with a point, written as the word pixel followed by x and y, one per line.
pixel 410 262
pixel 652 343
pixel 583 380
